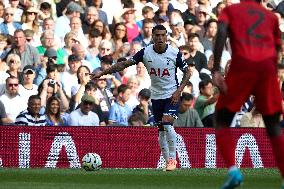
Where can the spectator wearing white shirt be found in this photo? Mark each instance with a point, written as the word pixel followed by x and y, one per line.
pixel 13 102
pixel 62 23
pixel 69 78
pixel 84 116
pixel 27 88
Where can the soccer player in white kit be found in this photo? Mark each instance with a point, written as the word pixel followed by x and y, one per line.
pixel 161 61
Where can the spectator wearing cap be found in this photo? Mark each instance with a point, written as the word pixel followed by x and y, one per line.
pixel 69 77
pixel 29 54
pixel 113 80
pixel 15 4
pixel 62 25
pixel 144 106
pixel 84 116
pixel 88 89
pixel 13 102
pixel 27 88
pixel 91 14
pixel 49 58
pixel 9 26
pixel 145 36
pixel 194 78
pixel 48 42
pixel 132 29
pixel 187 116
pixel 32 116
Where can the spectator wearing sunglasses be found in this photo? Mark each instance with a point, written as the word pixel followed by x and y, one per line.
pixel 9 26
pixel 13 102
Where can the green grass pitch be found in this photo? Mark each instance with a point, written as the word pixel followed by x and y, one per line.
pixel 132 179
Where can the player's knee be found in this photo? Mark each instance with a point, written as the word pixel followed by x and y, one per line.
pixel 223 118
pixel 272 123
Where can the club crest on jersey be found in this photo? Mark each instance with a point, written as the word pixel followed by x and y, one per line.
pixel 159 72
pixel 168 61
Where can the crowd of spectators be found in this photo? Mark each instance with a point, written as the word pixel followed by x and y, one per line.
pixel 49 51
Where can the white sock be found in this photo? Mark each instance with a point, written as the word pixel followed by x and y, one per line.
pixel 171 140
pixel 164 145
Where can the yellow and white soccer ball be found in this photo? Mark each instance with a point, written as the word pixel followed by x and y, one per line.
pixel 91 162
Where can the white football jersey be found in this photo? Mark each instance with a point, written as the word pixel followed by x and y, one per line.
pixel 162 68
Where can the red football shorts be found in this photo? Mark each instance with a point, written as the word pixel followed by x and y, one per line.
pixel 258 79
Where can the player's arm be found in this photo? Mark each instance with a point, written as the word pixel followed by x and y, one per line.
pixel 220 41
pixel 185 78
pixel 138 57
pixel 186 75
pixel 115 68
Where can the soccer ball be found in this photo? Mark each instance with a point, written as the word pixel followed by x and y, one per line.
pixel 91 162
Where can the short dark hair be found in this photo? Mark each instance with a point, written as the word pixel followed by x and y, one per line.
pixel 186 96
pixel 211 20
pixel 122 88
pixel 159 27
pixel 184 47
pixel 147 21
pixel 94 33
pixel 90 85
pixel 137 116
pixel 193 35
pixel 204 83
pixel 51 68
pixel 34 97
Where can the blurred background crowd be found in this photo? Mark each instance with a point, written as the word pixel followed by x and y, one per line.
pixel 49 50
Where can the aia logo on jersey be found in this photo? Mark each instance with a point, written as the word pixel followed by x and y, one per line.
pixel 159 72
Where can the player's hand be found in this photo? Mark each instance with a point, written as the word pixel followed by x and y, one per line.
pixel 219 81
pixel 175 97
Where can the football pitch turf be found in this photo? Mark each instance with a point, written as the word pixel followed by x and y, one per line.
pixel 132 179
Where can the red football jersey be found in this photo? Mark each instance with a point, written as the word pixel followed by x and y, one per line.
pixel 253 31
